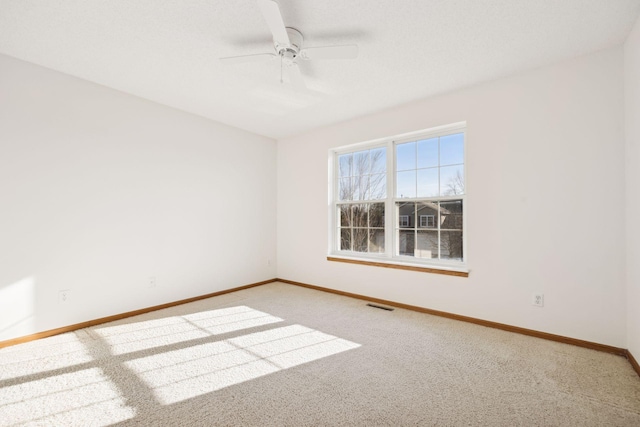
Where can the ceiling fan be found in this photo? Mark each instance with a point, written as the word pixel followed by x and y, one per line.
pixel 287 42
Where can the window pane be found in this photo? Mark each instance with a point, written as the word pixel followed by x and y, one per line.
pixel 361 164
pixel 360 239
pixel 428 182
pixel 406 156
pixel 345 239
pixel 406 242
pixel 376 215
pixel 357 222
pixel 428 153
pixel 406 184
pixel 344 212
pixel 354 189
pixel 427 214
pixel 379 160
pixel 362 175
pixel 406 214
pixel 427 244
pixel 360 187
pixel 427 221
pixel 452 149
pixel 452 180
pixel 376 241
pixel 451 215
pixel 378 187
pixel 451 245
pixel 345 190
pixel 360 215
pixel 345 162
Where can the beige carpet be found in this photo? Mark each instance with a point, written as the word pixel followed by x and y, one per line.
pixel 283 355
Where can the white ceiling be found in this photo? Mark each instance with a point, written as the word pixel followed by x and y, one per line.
pixel 167 50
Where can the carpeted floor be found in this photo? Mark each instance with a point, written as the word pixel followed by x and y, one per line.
pixel 281 355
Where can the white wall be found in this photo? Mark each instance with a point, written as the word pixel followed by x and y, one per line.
pixel 546 195
pixel 632 131
pixel 100 190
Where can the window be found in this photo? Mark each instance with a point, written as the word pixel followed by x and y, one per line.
pixel 401 200
pixel 427 221
pixel 362 179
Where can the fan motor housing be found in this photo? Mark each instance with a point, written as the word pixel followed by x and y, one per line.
pixel 291 50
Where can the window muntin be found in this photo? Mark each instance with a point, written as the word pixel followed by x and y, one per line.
pixel 403 199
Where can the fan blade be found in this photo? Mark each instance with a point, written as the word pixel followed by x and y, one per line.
pixel 272 15
pixel 296 77
pixel 331 52
pixel 248 58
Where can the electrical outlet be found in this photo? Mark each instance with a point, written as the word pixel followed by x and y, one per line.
pixel 152 282
pixel 538 300
pixel 63 296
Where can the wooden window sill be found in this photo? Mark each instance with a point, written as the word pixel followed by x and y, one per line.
pixel 401 266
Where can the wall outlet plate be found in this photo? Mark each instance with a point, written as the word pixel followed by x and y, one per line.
pixel 64 295
pixel 538 300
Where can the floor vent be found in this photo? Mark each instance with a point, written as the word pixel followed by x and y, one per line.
pixel 380 307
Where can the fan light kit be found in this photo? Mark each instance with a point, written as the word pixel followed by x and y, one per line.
pixel 287 43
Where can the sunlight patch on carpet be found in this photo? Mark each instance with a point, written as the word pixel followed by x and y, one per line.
pixel 149 334
pixel 59 352
pixel 66 399
pixel 178 375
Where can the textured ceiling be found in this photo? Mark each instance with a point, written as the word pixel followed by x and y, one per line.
pixel 167 50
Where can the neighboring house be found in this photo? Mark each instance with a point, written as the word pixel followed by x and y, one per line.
pixel 419 229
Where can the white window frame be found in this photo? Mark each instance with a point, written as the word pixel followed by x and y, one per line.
pixel 402 222
pixel 391 214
